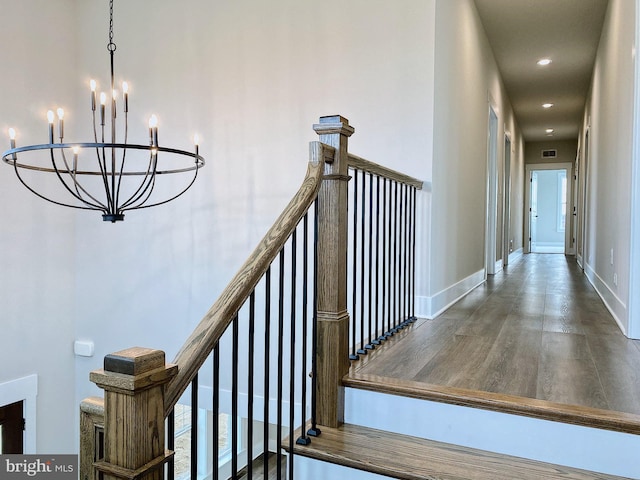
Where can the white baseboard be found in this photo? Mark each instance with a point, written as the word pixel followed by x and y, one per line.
pixel 615 305
pixel 516 256
pixel 431 307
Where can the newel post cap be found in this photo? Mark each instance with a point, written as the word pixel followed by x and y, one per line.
pixel 333 124
pixel 133 369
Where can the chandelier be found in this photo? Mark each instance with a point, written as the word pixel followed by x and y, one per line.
pixel 108 176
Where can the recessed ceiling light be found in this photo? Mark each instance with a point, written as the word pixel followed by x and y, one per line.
pixel 547 105
pixel 544 62
pixel 549 130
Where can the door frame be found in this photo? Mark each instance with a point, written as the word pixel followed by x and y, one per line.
pixel 583 199
pixel 23 389
pixel 531 167
pixel 491 223
pixel 506 209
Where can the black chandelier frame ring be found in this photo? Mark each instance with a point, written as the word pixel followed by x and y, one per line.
pixel 8 157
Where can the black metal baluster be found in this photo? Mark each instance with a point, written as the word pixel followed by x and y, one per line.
pixel 413 249
pixel 403 278
pixel 354 281
pixel 171 443
pixel 372 341
pixel 216 413
pixel 391 280
pixel 250 387
pixel 395 257
pixel 234 400
pixel 267 351
pixel 314 431
pixel 303 439
pixel 280 363
pixel 362 350
pixel 379 331
pixel 386 315
pixel 194 427
pixel 292 351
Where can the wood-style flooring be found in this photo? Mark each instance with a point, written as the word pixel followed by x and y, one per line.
pixel 537 330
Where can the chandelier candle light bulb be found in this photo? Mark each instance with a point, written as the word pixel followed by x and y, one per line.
pixel 61 123
pixel 125 95
pixel 153 131
pixel 12 141
pixel 50 117
pixel 92 85
pixel 103 106
pixel 76 150
pixel 196 142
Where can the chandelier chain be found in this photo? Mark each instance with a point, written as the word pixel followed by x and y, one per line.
pixel 111 46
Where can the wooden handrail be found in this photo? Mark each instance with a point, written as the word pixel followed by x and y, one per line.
pixel 200 343
pixel 371 167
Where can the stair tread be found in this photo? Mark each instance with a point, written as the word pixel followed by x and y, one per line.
pixel 258 468
pixel 531 407
pixel 405 457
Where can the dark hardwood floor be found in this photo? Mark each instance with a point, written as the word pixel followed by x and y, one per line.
pixel 537 330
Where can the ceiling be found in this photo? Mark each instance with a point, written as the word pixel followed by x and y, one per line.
pixel 521 32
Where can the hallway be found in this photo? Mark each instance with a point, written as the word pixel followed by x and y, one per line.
pixel 537 330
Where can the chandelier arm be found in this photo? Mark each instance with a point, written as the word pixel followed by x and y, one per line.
pixel 111 47
pixel 124 154
pixel 77 185
pixel 95 129
pixel 148 181
pixel 195 175
pixel 64 183
pixel 102 162
pixel 15 167
pixel 95 136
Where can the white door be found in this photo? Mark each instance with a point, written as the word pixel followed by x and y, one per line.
pixel 548 203
pixel 533 214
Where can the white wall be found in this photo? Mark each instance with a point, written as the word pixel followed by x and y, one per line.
pixel 37 240
pixel 253 89
pixel 610 113
pixel 466 78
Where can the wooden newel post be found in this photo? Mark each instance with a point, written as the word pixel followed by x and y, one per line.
pixel 133 382
pixel 333 317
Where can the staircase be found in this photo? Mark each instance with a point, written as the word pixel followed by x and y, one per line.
pixel 285 314
pixel 404 435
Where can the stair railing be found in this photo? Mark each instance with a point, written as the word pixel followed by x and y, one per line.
pixel 304 318
pixel 382 254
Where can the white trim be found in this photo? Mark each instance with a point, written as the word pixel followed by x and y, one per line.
pixel 498 266
pixel 633 312
pixel 516 256
pixel 25 389
pixel 568 166
pixel 506 196
pixel 491 223
pixel 616 307
pixel 431 307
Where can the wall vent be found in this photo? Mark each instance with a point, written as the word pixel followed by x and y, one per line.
pixel 549 154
